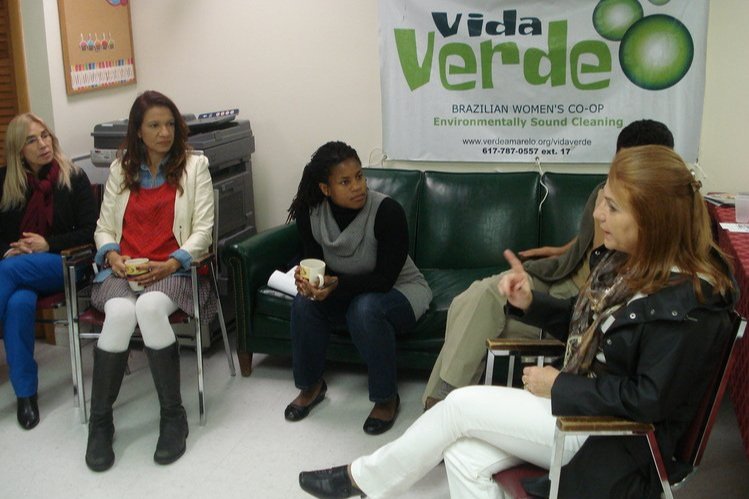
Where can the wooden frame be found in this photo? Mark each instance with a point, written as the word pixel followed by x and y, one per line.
pixel 90 62
pixel 19 62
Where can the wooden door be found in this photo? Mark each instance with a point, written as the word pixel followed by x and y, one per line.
pixel 13 91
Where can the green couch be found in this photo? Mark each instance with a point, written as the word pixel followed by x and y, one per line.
pixel 459 224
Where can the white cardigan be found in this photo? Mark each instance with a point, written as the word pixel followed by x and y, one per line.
pixel 193 210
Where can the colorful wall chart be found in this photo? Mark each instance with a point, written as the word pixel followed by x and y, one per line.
pixel 97 44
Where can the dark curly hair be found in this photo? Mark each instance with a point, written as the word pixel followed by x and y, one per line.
pixel 317 171
pixel 133 153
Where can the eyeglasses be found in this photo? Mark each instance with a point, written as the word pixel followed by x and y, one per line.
pixel 34 139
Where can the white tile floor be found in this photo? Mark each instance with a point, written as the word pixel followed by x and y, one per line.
pixel 246 450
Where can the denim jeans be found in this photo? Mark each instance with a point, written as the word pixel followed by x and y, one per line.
pixel 372 319
pixel 22 278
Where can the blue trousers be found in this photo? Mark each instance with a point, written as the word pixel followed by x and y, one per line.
pixel 22 278
pixel 372 319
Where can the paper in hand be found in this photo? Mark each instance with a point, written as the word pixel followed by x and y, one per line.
pixel 283 282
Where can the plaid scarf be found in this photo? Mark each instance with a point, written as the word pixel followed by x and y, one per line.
pixel 603 294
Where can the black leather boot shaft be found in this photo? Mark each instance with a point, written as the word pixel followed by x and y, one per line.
pixel 173 428
pixel 109 369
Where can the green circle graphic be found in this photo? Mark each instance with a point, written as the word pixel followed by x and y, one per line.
pixel 659 2
pixel 656 52
pixel 612 18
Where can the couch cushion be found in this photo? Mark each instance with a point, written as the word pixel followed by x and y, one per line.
pixel 273 303
pixel 445 285
pixel 403 186
pixel 562 208
pixel 466 220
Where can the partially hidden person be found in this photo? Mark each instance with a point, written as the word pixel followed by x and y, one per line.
pixel 158 204
pixel 643 333
pixel 371 286
pixel 46 206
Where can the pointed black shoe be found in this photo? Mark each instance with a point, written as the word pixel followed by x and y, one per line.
pixel 295 412
pixel 28 412
pixel 374 426
pixel 333 483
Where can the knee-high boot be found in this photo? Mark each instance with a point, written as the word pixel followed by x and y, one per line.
pixel 109 368
pixel 173 426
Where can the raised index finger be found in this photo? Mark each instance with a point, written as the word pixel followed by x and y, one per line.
pixel 515 264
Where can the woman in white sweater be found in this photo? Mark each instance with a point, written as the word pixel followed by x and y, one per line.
pixel 158 204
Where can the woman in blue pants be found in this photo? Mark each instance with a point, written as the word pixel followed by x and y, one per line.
pixel 46 205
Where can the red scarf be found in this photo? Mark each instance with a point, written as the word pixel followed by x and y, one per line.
pixel 39 210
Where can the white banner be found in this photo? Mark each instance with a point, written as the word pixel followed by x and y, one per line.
pixel 520 80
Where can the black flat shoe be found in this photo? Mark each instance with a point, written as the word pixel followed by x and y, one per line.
pixel 375 426
pixel 295 412
pixel 333 483
pixel 28 412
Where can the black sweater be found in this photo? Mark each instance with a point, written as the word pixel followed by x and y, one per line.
pixel 74 215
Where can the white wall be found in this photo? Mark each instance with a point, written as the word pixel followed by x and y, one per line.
pixel 305 72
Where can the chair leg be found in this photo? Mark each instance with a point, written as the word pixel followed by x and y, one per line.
pixel 557 455
pixel 71 302
pixel 489 374
pixel 201 384
pixel 75 346
pixel 660 467
pixel 222 323
pixel 245 363
pixel 510 370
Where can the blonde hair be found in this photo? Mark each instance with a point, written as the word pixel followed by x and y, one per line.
pixel 673 225
pixel 14 188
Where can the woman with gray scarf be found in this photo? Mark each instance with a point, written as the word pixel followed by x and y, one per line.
pixel 372 287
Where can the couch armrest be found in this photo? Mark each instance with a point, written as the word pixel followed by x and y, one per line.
pixel 251 261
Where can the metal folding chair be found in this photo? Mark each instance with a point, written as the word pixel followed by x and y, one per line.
pixel 95 318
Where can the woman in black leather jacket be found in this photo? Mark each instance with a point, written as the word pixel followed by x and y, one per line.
pixel 641 335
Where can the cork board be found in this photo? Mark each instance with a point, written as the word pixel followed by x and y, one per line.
pixel 97 44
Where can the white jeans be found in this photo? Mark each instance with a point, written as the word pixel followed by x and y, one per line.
pixel 150 312
pixel 478 430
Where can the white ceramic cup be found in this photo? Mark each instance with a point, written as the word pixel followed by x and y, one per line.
pixel 313 270
pixel 742 207
pixel 132 270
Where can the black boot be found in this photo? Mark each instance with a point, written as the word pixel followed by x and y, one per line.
pixel 109 368
pixel 173 427
pixel 27 412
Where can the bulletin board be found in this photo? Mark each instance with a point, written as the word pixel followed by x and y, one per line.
pixel 97 44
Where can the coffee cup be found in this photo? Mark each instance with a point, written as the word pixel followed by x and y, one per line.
pixel 131 267
pixel 313 270
pixel 742 207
